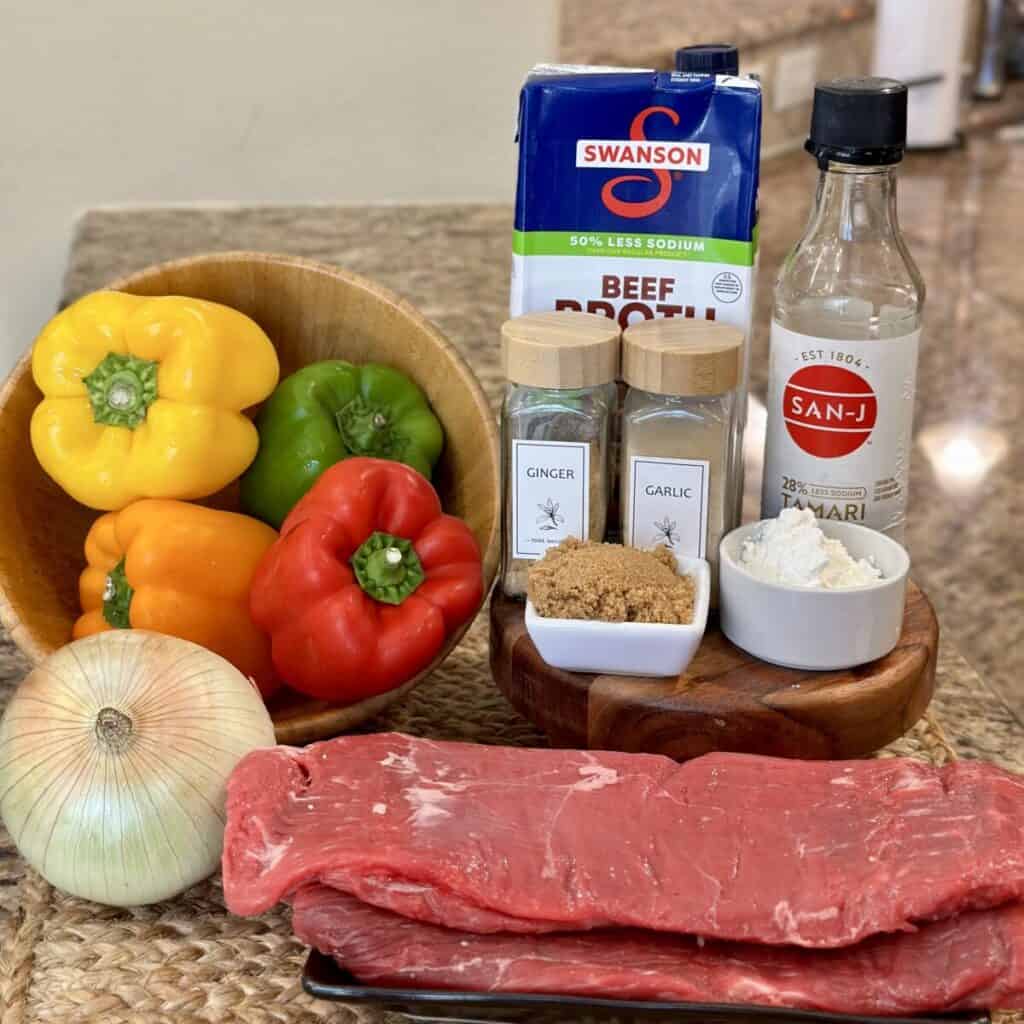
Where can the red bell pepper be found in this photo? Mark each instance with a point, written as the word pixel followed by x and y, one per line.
pixel 366 582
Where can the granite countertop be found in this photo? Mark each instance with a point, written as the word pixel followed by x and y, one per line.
pixel 647 35
pixel 958 210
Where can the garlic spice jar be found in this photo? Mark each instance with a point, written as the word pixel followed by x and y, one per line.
pixel 678 420
pixel 555 431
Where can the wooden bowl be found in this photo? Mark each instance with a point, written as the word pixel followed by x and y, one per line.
pixel 311 311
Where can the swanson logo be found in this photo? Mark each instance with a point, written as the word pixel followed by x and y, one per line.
pixel 640 153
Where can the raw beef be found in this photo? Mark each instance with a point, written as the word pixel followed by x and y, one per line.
pixel 727 846
pixel 973 962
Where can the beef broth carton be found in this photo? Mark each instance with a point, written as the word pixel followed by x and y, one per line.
pixel 637 198
pixel 637 194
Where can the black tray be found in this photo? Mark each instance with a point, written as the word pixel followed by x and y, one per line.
pixel 323 978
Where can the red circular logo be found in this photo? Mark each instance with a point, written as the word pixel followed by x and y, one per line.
pixel 829 410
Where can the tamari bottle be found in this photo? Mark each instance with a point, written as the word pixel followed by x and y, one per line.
pixel 677 485
pixel 555 426
pixel 846 323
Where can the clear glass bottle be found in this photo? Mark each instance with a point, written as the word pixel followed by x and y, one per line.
pixel 846 324
pixel 555 434
pixel 678 424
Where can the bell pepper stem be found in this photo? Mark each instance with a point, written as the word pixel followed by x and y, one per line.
pixel 117 598
pixel 121 388
pixel 366 430
pixel 387 568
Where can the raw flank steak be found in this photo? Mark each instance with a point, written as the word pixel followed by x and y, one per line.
pixel 975 961
pixel 728 846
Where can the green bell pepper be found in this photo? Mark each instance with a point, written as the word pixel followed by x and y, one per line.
pixel 330 411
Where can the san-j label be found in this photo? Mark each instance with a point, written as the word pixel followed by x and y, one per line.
pixel 551 499
pixel 840 415
pixel 669 504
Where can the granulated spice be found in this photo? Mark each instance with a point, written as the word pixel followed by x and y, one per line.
pixel 611 583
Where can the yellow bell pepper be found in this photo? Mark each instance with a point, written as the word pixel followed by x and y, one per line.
pixel 143 397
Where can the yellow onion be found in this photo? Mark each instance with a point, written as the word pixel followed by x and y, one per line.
pixel 114 754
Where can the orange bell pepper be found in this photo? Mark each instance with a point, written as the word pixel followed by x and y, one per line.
pixel 179 569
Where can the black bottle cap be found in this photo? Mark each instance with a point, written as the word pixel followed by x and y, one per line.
pixel 709 59
pixel 858 121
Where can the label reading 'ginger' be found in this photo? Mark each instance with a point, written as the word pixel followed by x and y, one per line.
pixel 551 494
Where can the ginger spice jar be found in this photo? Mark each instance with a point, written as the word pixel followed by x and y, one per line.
pixel 555 432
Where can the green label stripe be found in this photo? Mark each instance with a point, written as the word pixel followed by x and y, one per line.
pixel 624 243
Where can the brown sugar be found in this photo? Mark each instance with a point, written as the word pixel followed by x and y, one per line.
pixel 587 580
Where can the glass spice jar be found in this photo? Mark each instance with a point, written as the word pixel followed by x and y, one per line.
pixel 678 422
pixel 555 432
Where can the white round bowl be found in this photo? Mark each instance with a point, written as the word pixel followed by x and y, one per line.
pixel 625 648
pixel 810 627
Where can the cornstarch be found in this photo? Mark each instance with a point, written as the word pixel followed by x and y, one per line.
pixel 792 549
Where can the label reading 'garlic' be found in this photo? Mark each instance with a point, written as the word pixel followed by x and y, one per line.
pixel 551 494
pixel 669 504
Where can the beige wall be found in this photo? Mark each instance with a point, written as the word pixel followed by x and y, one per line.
pixel 156 101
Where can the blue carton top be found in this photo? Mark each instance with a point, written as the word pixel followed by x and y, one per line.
pixel 648 152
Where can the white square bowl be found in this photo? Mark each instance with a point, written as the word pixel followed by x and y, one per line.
pixel 625 648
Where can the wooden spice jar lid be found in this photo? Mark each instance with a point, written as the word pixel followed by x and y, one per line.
pixel 682 356
pixel 560 349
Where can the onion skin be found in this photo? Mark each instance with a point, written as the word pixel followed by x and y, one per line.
pixel 114 758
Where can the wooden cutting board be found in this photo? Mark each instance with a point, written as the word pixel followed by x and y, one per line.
pixel 726 699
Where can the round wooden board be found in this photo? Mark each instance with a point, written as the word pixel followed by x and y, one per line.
pixel 726 699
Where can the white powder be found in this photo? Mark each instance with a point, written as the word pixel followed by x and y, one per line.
pixel 792 549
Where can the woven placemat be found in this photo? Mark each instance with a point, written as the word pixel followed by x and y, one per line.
pixel 188 960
